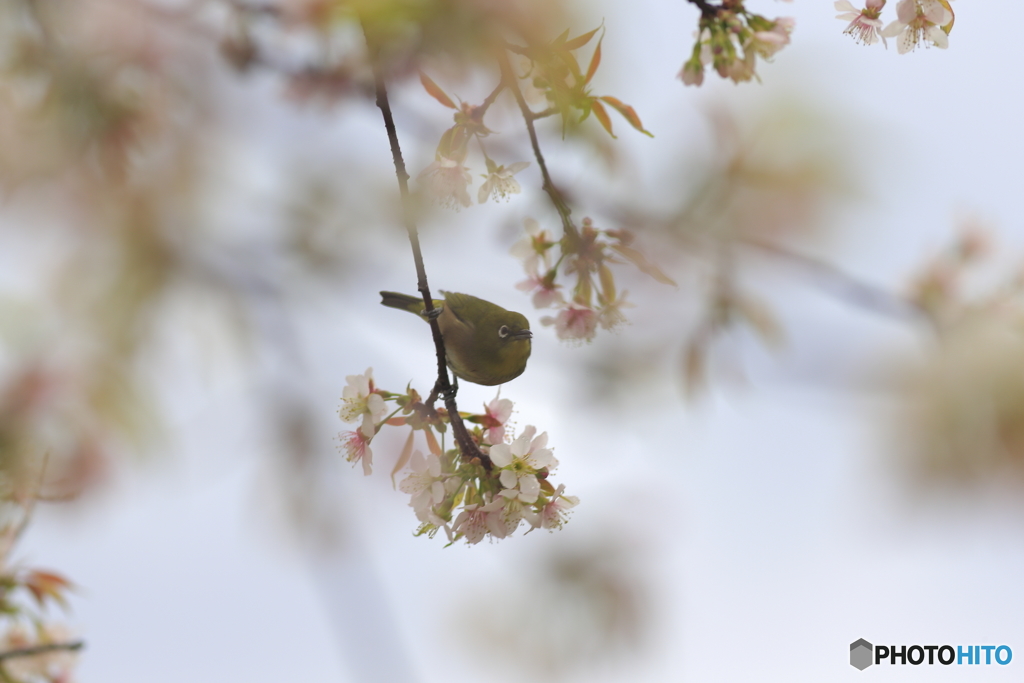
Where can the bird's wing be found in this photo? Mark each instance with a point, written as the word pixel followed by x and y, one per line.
pixel 459 304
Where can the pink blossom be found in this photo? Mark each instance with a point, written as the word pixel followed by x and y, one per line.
pixel 865 26
pixel 919 21
pixel 574 323
pixel 555 511
pixel 496 414
pixel 447 179
pixel 357 447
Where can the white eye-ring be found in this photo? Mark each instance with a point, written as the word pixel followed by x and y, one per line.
pixel 503 331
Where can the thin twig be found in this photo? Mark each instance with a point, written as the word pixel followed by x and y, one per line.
pixel 41 649
pixel 550 111
pixel 443 386
pixel 485 105
pixel 528 116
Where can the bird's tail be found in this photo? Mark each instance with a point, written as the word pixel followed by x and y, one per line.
pixel 405 302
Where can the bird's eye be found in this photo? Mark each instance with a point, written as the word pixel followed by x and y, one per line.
pixel 503 331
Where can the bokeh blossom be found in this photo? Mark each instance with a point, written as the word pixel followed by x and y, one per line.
pixel 446 180
pixel 499 182
pixel 574 323
pixel 919 21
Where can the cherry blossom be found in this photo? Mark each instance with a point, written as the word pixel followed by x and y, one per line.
pixel 447 179
pixel 521 460
pixel 919 21
pixel 553 514
pixel 425 484
pixel 499 182
pixel 478 520
pixel 496 414
pixel 767 43
pixel 357 447
pixel 359 399
pixel 865 26
pixel 574 323
pixel 532 249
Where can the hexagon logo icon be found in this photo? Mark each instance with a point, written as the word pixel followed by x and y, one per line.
pixel 860 654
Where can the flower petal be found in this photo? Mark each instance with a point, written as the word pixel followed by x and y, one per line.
pixel 501 455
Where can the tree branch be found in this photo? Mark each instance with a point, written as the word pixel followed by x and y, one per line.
pixel 443 386
pixel 706 8
pixel 41 649
pixel 508 75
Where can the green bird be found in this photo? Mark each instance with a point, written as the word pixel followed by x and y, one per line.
pixel 485 343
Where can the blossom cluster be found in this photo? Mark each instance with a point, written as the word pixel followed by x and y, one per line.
pixel 467 498
pixel 585 254
pixel 730 39
pixel 917 22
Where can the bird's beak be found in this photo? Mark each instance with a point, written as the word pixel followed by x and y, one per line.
pixel 523 334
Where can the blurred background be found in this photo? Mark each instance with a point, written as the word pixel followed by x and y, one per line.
pixel 818 436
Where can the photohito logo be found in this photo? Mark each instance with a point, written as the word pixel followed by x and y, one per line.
pixel 863 654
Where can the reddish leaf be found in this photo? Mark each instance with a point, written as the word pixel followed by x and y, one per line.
pixel 594 61
pixel 396 421
pixel 580 41
pixel 435 91
pixel 432 444
pixel 628 113
pixel 641 262
pixel 47 585
pixel 403 458
pixel 602 116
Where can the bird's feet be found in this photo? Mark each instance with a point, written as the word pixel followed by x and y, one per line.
pixel 433 313
pixel 452 391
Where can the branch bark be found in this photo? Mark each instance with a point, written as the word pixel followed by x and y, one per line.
pixel 41 649
pixel 443 386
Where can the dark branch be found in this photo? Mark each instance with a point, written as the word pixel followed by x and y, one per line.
pixel 443 386
pixel 706 8
pixel 41 649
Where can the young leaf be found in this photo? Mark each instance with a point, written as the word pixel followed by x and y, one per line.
pixel 403 458
pixel 580 41
pixel 434 90
pixel 570 61
pixel 641 262
pixel 628 113
pixel 594 61
pixel 432 444
pixel 602 116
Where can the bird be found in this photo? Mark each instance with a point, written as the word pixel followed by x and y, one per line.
pixel 485 343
